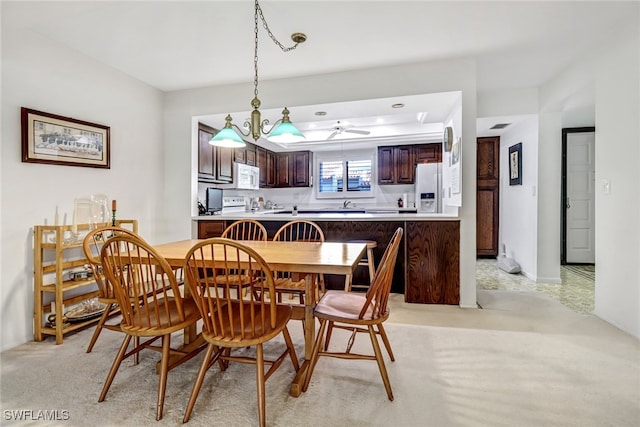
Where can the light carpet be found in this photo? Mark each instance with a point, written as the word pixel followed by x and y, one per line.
pixel 522 360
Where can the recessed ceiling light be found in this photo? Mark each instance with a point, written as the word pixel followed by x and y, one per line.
pixel 399 105
pixel 320 113
pixel 379 120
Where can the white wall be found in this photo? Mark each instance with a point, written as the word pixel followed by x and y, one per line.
pixel 413 79
pixel 612 72
pixel 617 158
pixel 518 203
pixel 39 74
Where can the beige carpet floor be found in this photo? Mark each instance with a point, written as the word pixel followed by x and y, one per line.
pixel 521 360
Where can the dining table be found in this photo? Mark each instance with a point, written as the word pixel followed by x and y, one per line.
pixel 307 258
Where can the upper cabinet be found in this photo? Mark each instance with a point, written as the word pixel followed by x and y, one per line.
pixel 396 164
pixel 246 155
pixel 266 162
pixel 293 169
pixel 215 164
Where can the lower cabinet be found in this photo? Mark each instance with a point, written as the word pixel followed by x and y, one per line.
pixel 433 262
pixel 427 270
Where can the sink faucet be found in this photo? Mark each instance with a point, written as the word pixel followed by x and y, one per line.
pixel 346 204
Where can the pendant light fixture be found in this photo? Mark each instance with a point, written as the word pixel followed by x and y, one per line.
pixel 282 131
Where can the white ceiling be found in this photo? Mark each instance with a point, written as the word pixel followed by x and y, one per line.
pixel 173 45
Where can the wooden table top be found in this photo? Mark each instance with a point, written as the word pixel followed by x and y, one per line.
pixel 311 257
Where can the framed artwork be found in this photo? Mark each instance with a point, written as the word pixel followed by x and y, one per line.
pixel 515 164
pixel 49 138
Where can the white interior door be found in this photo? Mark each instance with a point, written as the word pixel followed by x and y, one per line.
pixel 580 202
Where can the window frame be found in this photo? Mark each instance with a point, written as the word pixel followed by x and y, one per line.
pixel 345 157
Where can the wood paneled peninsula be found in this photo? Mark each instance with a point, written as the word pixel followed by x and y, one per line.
pixel 428 267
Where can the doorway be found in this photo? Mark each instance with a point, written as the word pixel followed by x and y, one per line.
pixel 578 196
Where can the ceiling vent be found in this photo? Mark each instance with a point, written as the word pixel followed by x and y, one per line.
pixel 500 126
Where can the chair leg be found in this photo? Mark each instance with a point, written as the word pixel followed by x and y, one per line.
pixel 315 354
pixel 260 384
pixel 164 371
pixel 198 383
pixel 114 368
pixel 380 360
pixel 386 342
pixel 99 326
pixel 292 350
pixel 326 341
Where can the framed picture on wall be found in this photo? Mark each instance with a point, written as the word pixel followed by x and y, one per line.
pixel 49 138
pixel 515 164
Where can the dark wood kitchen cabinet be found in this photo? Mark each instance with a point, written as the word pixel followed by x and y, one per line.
pixel 266 161
pixel 284 171
pixel 293 169
pixel 208 229
pixel 432 262
pixel 487 196
pixel 428 153
pixel 215 164
pixel 246 155
pixel 396 164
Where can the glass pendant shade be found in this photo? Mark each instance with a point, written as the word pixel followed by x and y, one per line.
pixel 227 137
pixel 285 133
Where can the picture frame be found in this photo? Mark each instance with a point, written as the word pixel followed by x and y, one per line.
pixel 515 164
pixel 58 140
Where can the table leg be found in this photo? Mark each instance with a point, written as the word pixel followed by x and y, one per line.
pixel 309 334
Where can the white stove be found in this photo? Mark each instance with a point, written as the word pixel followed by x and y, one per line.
pixel 233 204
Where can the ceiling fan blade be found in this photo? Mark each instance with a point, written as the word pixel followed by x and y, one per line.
pixel 332 135
pixel 360 132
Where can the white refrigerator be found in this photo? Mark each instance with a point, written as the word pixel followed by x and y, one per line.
pixel 428 182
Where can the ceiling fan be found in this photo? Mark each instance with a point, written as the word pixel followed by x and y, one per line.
pixel 338 129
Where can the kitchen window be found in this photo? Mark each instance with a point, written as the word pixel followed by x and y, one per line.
pixel 345 177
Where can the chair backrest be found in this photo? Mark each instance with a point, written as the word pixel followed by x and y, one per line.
pixel 92 244
pixel 145 285
pixel 378 292
pixel 210 266
pixel 300 230
pixel 245 229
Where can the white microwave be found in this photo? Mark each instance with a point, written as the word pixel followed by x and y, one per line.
pixel 246 177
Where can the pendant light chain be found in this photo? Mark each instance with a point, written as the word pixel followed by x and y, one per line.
pixel 282 131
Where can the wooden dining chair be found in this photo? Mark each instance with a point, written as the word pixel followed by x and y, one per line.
pixel 231 323
pixel 294 283
pixel 91 245
pixel 151 304
pixel 359 312
pixel 244 229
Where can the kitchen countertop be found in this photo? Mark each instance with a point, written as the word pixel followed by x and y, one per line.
pixel 284 215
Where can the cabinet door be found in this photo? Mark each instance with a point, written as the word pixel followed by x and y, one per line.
pixel 239 155
pixel 428 153
pixel 205 153
pixel 301 163
pixel 404 164
pixel 250 155
pixel 386 168
pixel 271 168
pixel 487 196
pixel 261 162
pixel 433 259
pixel 224 164
pixel 283 170
pixel 207 229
